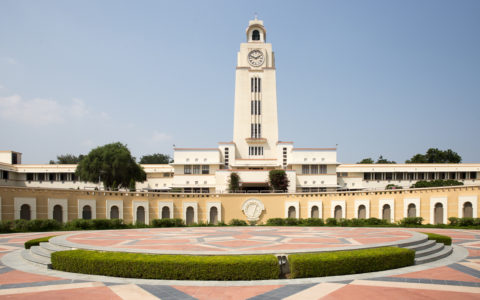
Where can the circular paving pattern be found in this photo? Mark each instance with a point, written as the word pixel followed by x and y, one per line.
pixel 236 240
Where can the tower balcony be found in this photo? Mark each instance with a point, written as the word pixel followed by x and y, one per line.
pixel 256 140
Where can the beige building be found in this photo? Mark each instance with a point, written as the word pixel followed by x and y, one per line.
pixel 253 152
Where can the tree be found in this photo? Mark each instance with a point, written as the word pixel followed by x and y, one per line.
pixel 111 163
pixel 278 180
pixel 156 158
pixel 437 156
pixel 366 161
pixel 67 159
pixel 233 182
pixel 382 160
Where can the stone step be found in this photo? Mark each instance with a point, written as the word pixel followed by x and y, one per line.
pixel 33 258
pixel 40 251
pixel 422 246
pixel 446 251
pixel 413 243
pixel 53 248
pixel 437 247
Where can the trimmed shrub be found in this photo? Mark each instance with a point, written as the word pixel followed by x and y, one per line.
pixel 42 225
pixel 98 224
pixel 331 222
pixel 446 240
pixel 356 222
pixel 275 222
pixel 454 221
pixel 312 222
pixel 436 183
pixel 237 222
pixel 413 221
pixel 6 226
pixel 172 267
pixel 349 262
pixel 168 223
pixel 36 242
pixel 344 222
pixel 292 221
pixel 375 221
pixel 79 224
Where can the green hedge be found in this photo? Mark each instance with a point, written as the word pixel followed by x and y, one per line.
pixel 168 223
pixel 95 224
pixel 237 222
pixel 446 240
pixel 349 262
pixel 412 221
pixel 464 222
pixel 36 242
pixel 173 267
pixel 330 222
pixel 436 183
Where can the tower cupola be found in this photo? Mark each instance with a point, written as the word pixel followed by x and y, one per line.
pixel 256 33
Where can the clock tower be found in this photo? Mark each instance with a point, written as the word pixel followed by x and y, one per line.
pixel 255 127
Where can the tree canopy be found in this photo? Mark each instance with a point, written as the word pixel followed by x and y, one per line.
pixel 278 180
pixel 434 155
pixel 156 158
pixel 380 160
pixel 233 182
pixel 111 164
pixel 67 159
pixel 366 161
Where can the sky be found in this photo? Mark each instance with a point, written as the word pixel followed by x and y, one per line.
pixel 390 78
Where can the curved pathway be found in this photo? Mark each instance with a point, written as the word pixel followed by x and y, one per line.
pixel 456 277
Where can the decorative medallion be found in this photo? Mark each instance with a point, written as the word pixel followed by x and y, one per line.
pixel 252 208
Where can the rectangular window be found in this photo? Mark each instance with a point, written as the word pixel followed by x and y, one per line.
pixel 205 169
pixel 305 169
pixel 378 176
pixel 473 175
pixel 52 176
pixel 463 175
pixel 323 169
pixel 187 169
pixel 41 176
pixel 251 84
pixel 255 151
pixel 388 176
pixel 314 169
pixel 259 80
pixel 30 176
pixel 196 169
pixel 366 176
pixel 421 176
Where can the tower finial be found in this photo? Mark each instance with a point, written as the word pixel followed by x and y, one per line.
pixel 256 15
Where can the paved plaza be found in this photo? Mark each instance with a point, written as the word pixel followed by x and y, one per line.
pixel 454 277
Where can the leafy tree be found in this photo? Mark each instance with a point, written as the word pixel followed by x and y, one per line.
pixel 67 159
pixel 278 180
pixel 435 155
pixel 233 182
pixel 382 160
pixel 366 161
pixel 156 158
pixel 132 186
pixel 110 164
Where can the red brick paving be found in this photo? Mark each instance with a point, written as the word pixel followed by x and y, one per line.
pixel 225 293
pixel 69 294
pixel 442 273
pixel 22 277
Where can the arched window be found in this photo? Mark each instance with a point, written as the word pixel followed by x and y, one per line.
pixel 214 215
pixel 114 212
pixel 362 212
pixel 25 213
pixel 255 35
pixel 140 215
pixel 190 215
pixel 386 214
pixel 58 213
pixel 438 214
pixel 292 212
pixel 166 212
pixel 315 213
pixel 467 210
pixel 87 212
pixel 412 210
pixel 338 212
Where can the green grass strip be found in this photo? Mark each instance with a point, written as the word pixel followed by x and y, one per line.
pixel 446 240
pixel 172 267
pixel 36 242
pixel 349 262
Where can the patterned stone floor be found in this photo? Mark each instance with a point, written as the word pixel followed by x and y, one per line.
pixel 230 240
pixel 459 280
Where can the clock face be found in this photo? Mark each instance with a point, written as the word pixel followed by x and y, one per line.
pixel 256 58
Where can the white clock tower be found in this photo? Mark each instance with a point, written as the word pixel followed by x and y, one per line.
pixel 255 127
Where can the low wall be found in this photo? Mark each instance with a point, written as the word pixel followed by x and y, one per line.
pixel 275 205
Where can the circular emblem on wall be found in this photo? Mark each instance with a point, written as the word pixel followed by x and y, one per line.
pixel 256 58
pixel 252 208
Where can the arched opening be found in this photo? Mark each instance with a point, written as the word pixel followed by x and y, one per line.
pixel 140 215
pixel 362 212
pixel 190 215
pixel 438 213
pixel 58 213
pixel 386 213
pixel 467 210
pixel 338 212
pixel 25 213
pixel 87 212
pixel 291 212
pixel 214 215
pixel 412 210
pixel 165 212
pixel 315 213
pixel 255 35
pixel 114 212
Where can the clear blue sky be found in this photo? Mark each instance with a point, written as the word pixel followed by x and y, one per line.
pixel 389 78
